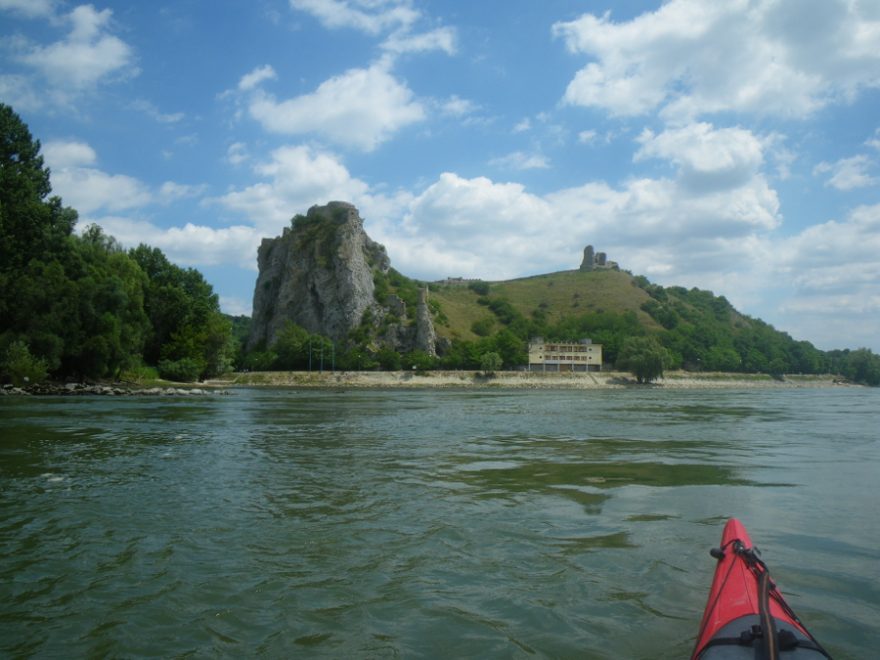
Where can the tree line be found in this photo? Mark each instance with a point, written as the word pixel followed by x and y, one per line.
pixel 81 307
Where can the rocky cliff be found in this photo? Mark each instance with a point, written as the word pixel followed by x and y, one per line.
pixel 321 274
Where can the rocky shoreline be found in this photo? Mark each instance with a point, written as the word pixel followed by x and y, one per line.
pixel 85 389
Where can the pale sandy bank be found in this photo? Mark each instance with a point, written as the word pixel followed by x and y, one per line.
pixel 513 380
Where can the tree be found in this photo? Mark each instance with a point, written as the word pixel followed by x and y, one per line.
pixel 862 366
pixel 292 347
pixel 19 366
pixel 490 363
pixel 30 225
pixel 722 358
pixel 185 318
pixel 644 357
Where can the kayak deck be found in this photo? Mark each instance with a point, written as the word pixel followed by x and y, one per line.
pixel 746 615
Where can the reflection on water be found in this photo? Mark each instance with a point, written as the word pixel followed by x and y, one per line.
pixel 426 524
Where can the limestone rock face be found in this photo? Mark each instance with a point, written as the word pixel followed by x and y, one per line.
pixel 426 337
pixel 318 274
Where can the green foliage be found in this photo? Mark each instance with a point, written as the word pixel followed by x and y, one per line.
pixel 140 374
pixel 30 225
pixel 418 361
pixel 185 370
pixel 19 367
pixel 644 357
pixel 392 282
pixel 722 358
pixel 184 314
pixel 860 365
pixel 479 287
pixel 490 362
pixel 663 314
pixel 291 347
pixel 259 361
pixel 85 308
pixel 381 286
pixel 241 329
pixel 389 359
pixel 358 358
pixel 318 232
pixel 483 327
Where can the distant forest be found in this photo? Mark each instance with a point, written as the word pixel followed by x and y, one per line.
pixel 79 306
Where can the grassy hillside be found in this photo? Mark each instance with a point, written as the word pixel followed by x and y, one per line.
pixel 700 331
pixel 553 296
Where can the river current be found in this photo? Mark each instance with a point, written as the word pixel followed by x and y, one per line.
pixel 428 523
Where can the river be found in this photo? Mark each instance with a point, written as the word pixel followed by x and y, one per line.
pixel 428 523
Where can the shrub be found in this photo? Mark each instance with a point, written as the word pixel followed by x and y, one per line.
pixel 481 288
pixel 490 363
pixel 644 357
pixel 483 327
pixel 20 367
pixel 185 370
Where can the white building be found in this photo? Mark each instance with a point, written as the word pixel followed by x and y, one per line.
pixel 564 356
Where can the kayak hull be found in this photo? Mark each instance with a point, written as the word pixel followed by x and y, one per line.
pixel 733 622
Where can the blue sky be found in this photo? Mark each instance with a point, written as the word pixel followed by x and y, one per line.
pixel 732 146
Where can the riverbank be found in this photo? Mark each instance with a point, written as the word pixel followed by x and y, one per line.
pixel 115 389
pixel 513 380
pixel 428 380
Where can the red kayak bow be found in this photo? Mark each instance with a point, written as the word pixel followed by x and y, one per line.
pixel 746 616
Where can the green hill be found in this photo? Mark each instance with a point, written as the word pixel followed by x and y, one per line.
pixel 700 330
pixel 552 297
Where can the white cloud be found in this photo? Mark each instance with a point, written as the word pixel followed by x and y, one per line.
pixel 848 173
pixel 874 140
pixel 519 160
pixel 86 57
pixel 455 106
pixel 523 125
pixel 360 108
pixel 695 225
pixel 587 137
pixel 689 57
pixel 89 190
pixel 254 78
pixel 298 177
pixel 480 228
pixel 442 39
pixel 835 276
pixel 396 18
pixel 237 153
pixel 370 16
pixel 63 154
pixel 170 191
pixel 852 242
pixel 707 158
pixel 150 109
pixel 20 93
pixel 235 306
pixel 190 245
pixel 29 8
pixel 467 227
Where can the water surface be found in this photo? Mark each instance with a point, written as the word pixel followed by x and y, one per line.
pixel 427 523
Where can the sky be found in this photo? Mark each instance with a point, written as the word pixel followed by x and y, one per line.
pixel 732 146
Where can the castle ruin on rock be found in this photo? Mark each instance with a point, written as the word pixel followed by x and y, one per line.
pixel 596 261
